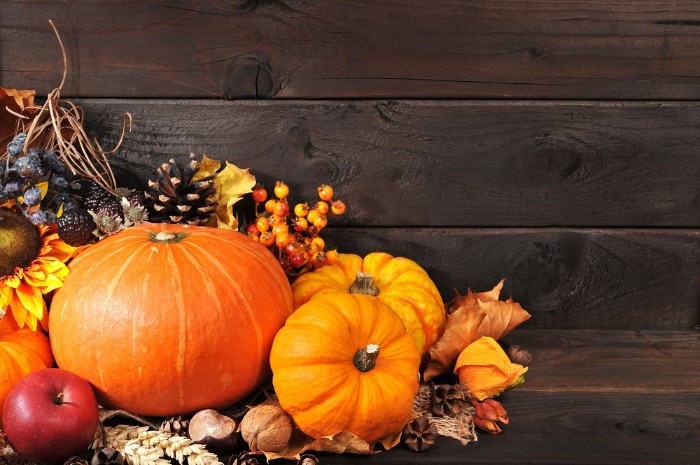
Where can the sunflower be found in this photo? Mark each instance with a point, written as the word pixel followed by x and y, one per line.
pixel 32 263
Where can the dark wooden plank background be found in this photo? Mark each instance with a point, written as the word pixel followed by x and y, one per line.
pixel 431 163
pixel 598 49
pixel 550 142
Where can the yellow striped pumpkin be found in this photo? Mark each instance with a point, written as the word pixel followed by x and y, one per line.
pixel 22 351
pixel 397 281
pixel 164 319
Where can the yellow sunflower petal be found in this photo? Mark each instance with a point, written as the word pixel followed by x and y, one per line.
pixel 32 299
pixel 51 283
pixel 13 281
pixel 18 310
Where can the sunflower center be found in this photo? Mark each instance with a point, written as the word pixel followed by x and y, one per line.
pixel 20 242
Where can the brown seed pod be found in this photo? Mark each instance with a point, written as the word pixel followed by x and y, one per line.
pixel 266 428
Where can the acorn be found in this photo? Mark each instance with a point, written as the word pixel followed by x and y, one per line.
pixel 215 431
pixel 266 428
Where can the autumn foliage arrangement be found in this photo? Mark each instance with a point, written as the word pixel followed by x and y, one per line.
pixel 247 334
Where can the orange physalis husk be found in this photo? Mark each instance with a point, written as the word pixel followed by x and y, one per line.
pixel 472 316
pixel 485 369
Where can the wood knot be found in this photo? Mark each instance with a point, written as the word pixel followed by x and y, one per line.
pixel 539 53
pixel 235 6
pixel 249 77
pixel 558 159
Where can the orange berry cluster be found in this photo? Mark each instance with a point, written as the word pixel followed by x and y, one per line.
pixel 293 234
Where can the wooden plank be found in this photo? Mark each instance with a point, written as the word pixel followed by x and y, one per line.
pixel 441 163
pixel 647 49
pixel 566 278
pixel 591 397
pixel 606 361
pixel 574 429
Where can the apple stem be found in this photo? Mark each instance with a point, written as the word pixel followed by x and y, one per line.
pixel 59 398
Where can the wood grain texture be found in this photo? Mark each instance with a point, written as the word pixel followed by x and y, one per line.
pixel 550 428
pixel 566 278
pixel 433 163
pixel 583 49
pixel 607 361
pixel 590 397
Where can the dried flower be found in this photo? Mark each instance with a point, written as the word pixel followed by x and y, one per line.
pixel 485 369
pixel 447 399
pixel 420 434
pixel 488 414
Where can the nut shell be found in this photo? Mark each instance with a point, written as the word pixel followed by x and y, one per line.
pixel 216 431
pixel 266 428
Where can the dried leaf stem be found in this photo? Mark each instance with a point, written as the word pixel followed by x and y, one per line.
pixel 58 125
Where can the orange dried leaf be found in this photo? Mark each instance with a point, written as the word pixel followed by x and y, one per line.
pixel 471 317
pixel 12 101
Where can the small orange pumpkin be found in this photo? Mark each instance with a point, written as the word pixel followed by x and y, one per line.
pixel 345 363
pixel 164 319
pixel 22 351
pixel 399 282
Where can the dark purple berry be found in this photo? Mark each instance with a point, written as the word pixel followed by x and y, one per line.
pixel 75 227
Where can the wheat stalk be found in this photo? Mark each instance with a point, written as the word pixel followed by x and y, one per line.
pixel 141 445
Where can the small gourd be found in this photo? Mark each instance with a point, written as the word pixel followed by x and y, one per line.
pixel 22 351
pixel 343 362
pixel 397 281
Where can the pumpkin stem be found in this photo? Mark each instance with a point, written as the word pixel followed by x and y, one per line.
pixel 167 236
pixel 365 359
pixel 364 284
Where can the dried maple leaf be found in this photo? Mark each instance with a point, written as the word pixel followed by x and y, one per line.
pixel 231 184
pixel 472 316
pixel 12 101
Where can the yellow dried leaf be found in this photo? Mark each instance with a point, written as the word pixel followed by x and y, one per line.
pixel 472 316
pixel 231 184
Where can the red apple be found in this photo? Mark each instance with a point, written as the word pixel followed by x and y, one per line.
pixel 50 415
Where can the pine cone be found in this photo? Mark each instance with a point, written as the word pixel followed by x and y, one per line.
pixel 447 399
pixel 175 425
pixel 420 434
pixel 75 460
pixel 107 456
pixel 244 458
pixel 308 459
pixel 176 198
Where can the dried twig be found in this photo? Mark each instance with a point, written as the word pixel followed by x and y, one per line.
pixel 58 125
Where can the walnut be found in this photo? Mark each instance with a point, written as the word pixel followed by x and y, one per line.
pixel 266 428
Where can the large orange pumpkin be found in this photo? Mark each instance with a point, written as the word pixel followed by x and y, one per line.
pixel 165 319
pixel 22 351
pixel 397 281
pixel 345 363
